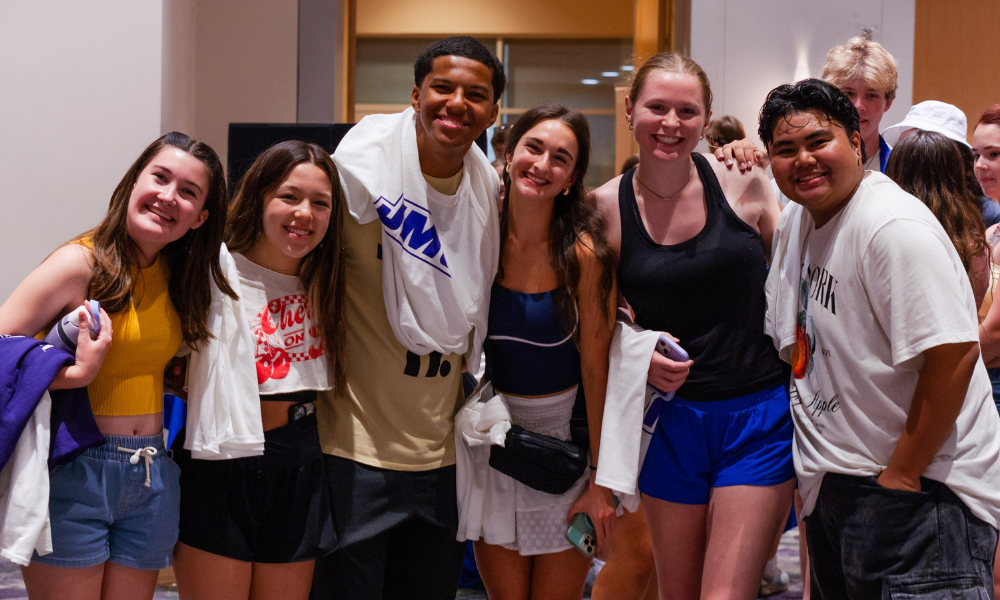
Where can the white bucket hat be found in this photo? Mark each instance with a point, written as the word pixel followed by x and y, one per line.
pixel 931 115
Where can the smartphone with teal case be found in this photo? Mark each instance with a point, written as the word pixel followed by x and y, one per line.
pixel 581 532
pixel 582 535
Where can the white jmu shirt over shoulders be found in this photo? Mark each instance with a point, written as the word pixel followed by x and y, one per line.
pixel 880 284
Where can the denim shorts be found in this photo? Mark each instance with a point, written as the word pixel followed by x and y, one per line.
pixel 995 383
pixel 700 445
pixel 103 507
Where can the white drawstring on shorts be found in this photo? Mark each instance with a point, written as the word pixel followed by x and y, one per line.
pixel 146 453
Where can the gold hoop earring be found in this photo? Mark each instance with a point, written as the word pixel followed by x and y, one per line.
pixel 629 125
pixel 566 191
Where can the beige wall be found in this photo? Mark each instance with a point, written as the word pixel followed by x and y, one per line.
pixel 747 47
pixel 955 57
pixel 507 18
pixel 229 61
pixel 79 100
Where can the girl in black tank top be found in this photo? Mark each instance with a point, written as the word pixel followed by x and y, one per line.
pixel 727 434
pixel 708 291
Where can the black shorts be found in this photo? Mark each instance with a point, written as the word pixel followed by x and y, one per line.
pixel 273 508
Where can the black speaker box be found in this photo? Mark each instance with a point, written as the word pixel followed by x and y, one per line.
pixel 248 140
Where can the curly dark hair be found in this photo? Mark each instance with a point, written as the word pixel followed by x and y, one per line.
pixel 808 95
pixel 466 47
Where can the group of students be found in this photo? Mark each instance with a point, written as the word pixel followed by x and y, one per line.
pixel 365 286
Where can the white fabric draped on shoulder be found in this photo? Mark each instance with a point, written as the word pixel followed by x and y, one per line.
pixel 439 253
pixel 223 419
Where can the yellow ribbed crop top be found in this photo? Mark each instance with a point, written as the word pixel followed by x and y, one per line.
pixel 145 336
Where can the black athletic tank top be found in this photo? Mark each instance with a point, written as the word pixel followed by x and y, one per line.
pixel 708 291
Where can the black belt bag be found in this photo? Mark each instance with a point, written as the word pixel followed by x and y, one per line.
pixel 539 461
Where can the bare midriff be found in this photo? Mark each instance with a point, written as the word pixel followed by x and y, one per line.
pixel 134 425
pixel 274 413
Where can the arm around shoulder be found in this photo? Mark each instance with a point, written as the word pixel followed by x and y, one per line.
pixel 752 198
pixel 605 200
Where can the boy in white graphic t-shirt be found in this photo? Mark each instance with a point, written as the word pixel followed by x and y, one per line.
pixel 897 445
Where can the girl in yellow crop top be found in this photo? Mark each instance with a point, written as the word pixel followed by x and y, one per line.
pixel 150 263
pixel 284 232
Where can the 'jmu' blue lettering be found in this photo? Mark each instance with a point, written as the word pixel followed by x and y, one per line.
pixel 406 223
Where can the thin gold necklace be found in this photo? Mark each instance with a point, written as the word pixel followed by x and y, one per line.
pixel 675 192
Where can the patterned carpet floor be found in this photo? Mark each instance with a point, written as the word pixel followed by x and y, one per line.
pixel 12 586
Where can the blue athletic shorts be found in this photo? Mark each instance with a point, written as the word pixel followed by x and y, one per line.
pixel 995 382
pixel 697 446
pixel 101 509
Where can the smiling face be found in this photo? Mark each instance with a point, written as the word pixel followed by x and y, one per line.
pixel 870 103
pixel 296 218
pixel 815 164
pixel 166 201
pixel 455 102
pixel 543 162
pixel 986 149
pixel 668 118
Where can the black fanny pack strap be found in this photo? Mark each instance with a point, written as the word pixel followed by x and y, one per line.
pixel 579 431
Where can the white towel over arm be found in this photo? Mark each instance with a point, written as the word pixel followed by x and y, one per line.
pixel 486 502
pixel 223 419
pixel 622 450
pixel 24 490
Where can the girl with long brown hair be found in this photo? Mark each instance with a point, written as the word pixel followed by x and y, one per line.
pixel 930 166
pixel 151 263
pixel 550 326
pixel 252 527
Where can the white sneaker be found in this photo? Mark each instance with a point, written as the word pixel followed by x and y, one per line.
pixel 772 584
pixel 595 568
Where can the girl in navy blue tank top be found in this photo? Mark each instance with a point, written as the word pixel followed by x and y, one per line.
pixel 693 240
pixel 550 326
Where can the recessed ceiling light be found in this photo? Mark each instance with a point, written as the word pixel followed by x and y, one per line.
pixel 589 81
pixel 627 68
pixel 609 73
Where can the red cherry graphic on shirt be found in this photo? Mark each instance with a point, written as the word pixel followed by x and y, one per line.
pixel 266 325
pixel 315 351
pixel 279 358
pixel 314 332
pixel 264 369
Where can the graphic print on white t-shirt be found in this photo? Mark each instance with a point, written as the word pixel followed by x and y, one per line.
pixel 288 350
pixel 817 293
pixel 283 332
pixel 879 284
